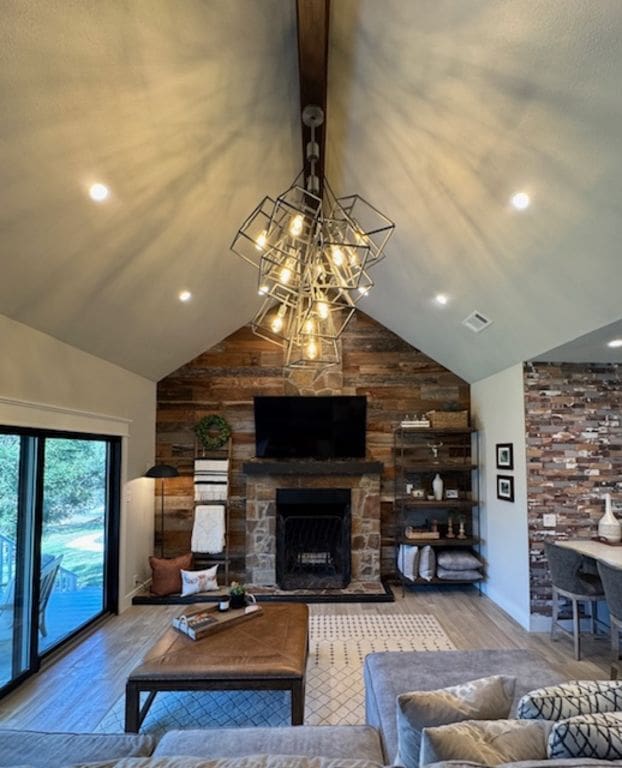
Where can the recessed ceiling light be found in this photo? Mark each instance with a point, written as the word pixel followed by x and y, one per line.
pixel 520 201
pixel 185 296
pixel 614 343
pixel 98 192
pixel 440 298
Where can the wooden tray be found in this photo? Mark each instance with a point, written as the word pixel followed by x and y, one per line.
pixel 223 619
pixel 608 543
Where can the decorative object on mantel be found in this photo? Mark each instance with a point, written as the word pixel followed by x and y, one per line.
pixel 434 447
pixel 609 527
pixel 417 422
pixel 313 252
pixel 437 487
pixel 449 419
pixel 450 528
pixel 161 472
pixel 412 533
pixel 213 432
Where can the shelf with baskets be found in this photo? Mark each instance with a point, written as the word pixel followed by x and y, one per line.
pixel 212 481
pixel 445 520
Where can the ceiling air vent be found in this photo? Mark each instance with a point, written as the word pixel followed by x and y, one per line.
pixel 476 322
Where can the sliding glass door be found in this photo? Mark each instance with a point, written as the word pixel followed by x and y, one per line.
pixel 58 541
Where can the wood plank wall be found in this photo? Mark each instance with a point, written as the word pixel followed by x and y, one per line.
pixel 396 378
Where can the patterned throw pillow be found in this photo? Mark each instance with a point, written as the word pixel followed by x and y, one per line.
pixel 580 697
pixel 198 581
pixel 487 698
pixel 491 742
pixel 598 736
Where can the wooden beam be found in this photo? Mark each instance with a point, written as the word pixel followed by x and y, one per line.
pixel 312 17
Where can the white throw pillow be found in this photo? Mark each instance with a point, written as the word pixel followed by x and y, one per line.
pixel 198 581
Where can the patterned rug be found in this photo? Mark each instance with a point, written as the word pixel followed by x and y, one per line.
pixel 334 691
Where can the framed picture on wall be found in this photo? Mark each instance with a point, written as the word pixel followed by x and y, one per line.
pixel 505 487
pixel 505 455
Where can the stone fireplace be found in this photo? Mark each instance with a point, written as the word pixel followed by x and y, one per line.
pixel 265 478
pixel 313 538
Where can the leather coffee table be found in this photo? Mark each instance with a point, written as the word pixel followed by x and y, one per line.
pixel 267 652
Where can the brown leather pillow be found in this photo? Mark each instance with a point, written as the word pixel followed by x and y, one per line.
pixel 166 574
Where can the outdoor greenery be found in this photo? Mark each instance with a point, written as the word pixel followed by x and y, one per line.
pixel 75 479
pixel 74 502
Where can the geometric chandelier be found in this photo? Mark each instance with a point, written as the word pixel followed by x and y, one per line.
pixel 313 254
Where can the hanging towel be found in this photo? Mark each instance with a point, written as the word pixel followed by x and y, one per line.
pixel 208 531
pixel 210 479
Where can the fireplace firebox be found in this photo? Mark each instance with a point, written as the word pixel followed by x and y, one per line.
pixel 313 538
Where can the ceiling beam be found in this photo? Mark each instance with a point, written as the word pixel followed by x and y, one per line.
pixel 312 17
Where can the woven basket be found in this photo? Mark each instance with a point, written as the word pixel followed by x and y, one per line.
pixel 449 419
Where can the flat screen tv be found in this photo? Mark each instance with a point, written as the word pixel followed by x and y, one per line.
pixel 310 427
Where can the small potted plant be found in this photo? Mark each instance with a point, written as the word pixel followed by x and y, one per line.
pixel 237 592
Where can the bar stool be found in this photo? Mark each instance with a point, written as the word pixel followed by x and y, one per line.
pixel 611 578
pixel 571 582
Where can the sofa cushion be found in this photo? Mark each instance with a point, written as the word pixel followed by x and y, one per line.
pixel 250 761
pixel 491 742
pixel 53 750
pixel 598 736
pixel 166 574
pixel 389 674
pixel 485 699
pixel 580 697
pixel 331 741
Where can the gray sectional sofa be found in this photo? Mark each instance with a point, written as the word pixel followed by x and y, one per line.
pixel 365 746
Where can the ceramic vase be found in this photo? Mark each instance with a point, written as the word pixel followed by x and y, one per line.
pixel 437 487
pixel 609 527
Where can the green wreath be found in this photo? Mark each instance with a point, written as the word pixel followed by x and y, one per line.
pixel 213 432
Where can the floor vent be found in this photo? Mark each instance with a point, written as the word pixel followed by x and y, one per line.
pixel 476 322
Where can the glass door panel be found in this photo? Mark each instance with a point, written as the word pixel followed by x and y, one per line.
pixel 73 536
pixel 16 503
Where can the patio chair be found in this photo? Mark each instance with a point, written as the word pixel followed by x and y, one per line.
pixel 49 571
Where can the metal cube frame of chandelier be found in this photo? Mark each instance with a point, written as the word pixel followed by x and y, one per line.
pixel 312 255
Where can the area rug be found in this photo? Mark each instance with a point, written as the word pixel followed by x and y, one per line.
pixel 334 691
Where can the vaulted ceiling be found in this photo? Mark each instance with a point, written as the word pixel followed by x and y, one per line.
pixel 438 111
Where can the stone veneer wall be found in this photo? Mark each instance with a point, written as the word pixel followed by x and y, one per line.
pixel 396 378
pixel 261 522
pixel 573 422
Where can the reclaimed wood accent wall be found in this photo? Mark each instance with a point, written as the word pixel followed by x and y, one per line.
pixel 396 378
pixel 573 421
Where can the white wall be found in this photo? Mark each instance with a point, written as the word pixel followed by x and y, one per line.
pixel 497 405
pixel 46 383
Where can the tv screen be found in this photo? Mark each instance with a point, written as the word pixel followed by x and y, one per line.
pixel 310 427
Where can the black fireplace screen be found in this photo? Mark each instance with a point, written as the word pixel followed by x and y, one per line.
pixel 313 538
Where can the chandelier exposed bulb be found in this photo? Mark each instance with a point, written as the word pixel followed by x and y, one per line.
pixel 309 326
pixel 261 240
pixel 312 350
pixel 322 309
pixel 286 272
pixel 296 225
pixel 337 255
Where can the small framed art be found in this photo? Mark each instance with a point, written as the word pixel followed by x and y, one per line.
pixel 505 487
pixel 505 455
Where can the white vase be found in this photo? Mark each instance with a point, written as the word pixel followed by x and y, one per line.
pixel 437 487
pixel 609 527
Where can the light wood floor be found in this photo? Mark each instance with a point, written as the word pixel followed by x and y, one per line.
pixel 74 692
